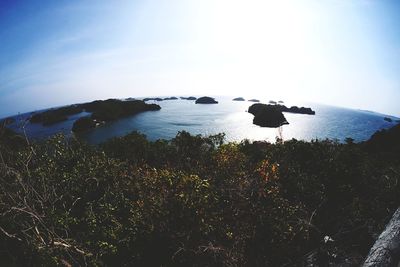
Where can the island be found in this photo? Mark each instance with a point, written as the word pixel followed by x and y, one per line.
pixel 206 100
pixel 239 99
pixel 388 119
pixel 272 102
pixel 280 102
pixel 56 115
pixel 254 100
pixel 188 98
pixel 153 99
pixel 171 98
pixel 267 115
pixel 68 203
pixel 110 110
pixel 7 121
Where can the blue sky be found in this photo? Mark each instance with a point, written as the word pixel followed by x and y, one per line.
pixel 338 52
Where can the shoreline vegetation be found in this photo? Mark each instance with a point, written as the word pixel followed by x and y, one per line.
pixel 195 201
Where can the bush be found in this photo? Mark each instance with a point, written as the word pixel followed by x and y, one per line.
pixel 191 201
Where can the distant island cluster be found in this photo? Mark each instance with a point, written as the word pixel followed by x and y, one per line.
pixel 103 111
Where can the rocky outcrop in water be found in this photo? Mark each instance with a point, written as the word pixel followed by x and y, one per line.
pixel 188 98
pixel 239 99
pixel 386 250
pixel 387 140
pixel 83 124
pixel 295 109
pixel 171 98
pixel 254 100
pixel 206 100
pixel 267 115
pixel 272 116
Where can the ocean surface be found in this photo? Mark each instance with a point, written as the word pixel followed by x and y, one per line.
pixel 229 117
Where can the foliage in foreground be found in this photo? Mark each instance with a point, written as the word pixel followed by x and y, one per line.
pixel 192 201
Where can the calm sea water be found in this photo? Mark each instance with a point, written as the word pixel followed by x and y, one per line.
pixel 229 117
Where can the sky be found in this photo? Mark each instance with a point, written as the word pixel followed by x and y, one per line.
pixel 337 52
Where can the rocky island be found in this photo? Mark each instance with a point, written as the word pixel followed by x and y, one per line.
pixel 272 116
pixel 171 98
pixel 110 110
pixel 295 109
pixel 102 111
pixel 7 121
pixel 53 116
pixel 153 99
pixel 188 98
pixel 267 115
pixel 239 99
pixel 84 124
pixel 254 100
pixel 206 100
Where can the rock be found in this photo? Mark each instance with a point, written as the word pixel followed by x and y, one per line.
pixel 272 102
pixel 206 100
pixel 171 98
pixel 267 116
pixel 239 99
pixel 253 100
pixel 280 102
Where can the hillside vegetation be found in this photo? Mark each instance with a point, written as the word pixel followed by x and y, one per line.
pixel 193 201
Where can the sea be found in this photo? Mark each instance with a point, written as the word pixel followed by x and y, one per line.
pixel 229 117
